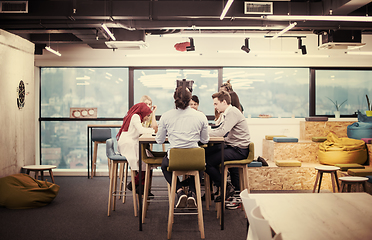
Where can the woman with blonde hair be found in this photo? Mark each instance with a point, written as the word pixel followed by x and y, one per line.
pixel 151 122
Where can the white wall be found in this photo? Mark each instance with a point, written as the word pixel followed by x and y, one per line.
pixel 17 126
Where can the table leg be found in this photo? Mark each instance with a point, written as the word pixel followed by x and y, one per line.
pixel 338 185
pixel 222 188
pixel 42 175
pixel 320 180
pixel 51 175
pixel 140 187
pixel 88 150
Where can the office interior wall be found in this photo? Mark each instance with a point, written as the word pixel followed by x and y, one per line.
pixel 17 126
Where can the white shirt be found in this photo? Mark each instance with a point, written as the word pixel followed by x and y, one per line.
pixel 185 128
pixel 128 145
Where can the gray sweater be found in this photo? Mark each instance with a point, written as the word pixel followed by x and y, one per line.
pixel 236 125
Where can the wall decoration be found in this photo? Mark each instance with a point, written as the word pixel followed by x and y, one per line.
pixel 83 112
pixel 21 91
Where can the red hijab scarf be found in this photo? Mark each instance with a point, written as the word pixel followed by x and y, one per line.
pixel 141 109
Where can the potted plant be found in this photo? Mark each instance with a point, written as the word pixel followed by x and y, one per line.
pixel 338 106
pixel 369 111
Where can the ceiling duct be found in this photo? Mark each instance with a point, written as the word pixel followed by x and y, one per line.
pixel 258 8
pixel 13 6
pixel 341 39
pixel 127 45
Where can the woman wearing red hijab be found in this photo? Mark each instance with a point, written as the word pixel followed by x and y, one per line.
pixel 131 130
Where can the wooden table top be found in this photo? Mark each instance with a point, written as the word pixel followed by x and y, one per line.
pixel 318 216
pixel 148 137
pixel 39 167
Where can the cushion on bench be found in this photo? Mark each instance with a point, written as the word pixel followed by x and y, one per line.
pixel 367 140
pixel 360 172
pixel 316 118
pixel 285 139
pixel 319 139
pixel 346 166
pixel 255 164
pixel 288 163
pixel 270 137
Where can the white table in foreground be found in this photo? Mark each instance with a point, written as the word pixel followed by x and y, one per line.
pixel 41 169
pixel 339 216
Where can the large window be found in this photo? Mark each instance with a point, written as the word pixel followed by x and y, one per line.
pixel 160 84
pixel 103 88
pixel 279 92
pixel 64 140
pixel 342 86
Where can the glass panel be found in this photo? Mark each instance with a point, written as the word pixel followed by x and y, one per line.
pixel 64 144
pixel 103 88
pixel 337 86
pixel 160 84
pixel 279 92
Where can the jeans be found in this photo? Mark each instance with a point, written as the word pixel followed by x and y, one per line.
pixel 213 161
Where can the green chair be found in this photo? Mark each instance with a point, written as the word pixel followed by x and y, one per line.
pixel 186 161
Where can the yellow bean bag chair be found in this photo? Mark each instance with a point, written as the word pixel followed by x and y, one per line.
pixel 20 191
pixel 342 151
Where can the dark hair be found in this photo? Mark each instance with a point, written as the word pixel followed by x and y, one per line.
pixel 195 99
pixel 222 95
pixel 182 97
pixel 227 85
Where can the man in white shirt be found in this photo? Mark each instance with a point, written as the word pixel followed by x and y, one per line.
pixel 185 127
pixel 234 128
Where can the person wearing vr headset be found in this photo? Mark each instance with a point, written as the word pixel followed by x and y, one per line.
pixel 185 127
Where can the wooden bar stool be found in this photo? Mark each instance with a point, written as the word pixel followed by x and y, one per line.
pixel 186 161
pixel 327 169
pixel 348 181
pixel 153 161
pixel 115 159
pixel 41 169
pixel 99 135
pixel 243 174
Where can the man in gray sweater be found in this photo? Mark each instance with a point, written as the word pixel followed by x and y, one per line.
pixel 235 130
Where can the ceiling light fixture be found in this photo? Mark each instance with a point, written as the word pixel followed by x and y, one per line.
pixel 245 47
pixel 289 27
pixel 53 51
pixel 319 18
pixel 192 46
pixel 108 32
pixel 227 7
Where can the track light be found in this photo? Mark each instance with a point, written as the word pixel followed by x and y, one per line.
pixel 245 47
pixel 226 8
pixel 53 51
pixel 108 32
pixel 192 46
pixel 289 27
pixel 302 47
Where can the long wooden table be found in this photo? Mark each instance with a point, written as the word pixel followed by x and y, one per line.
pixel 144 139
pixel 317 216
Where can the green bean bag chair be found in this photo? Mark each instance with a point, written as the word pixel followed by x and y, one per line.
pixel 20 191
pixel 342 151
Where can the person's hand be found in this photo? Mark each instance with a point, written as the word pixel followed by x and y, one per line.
pixel 153 108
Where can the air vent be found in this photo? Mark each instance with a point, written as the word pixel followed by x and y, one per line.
pixel 341 45
pixel 127 45
pixel 13 6
pixel 258 8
